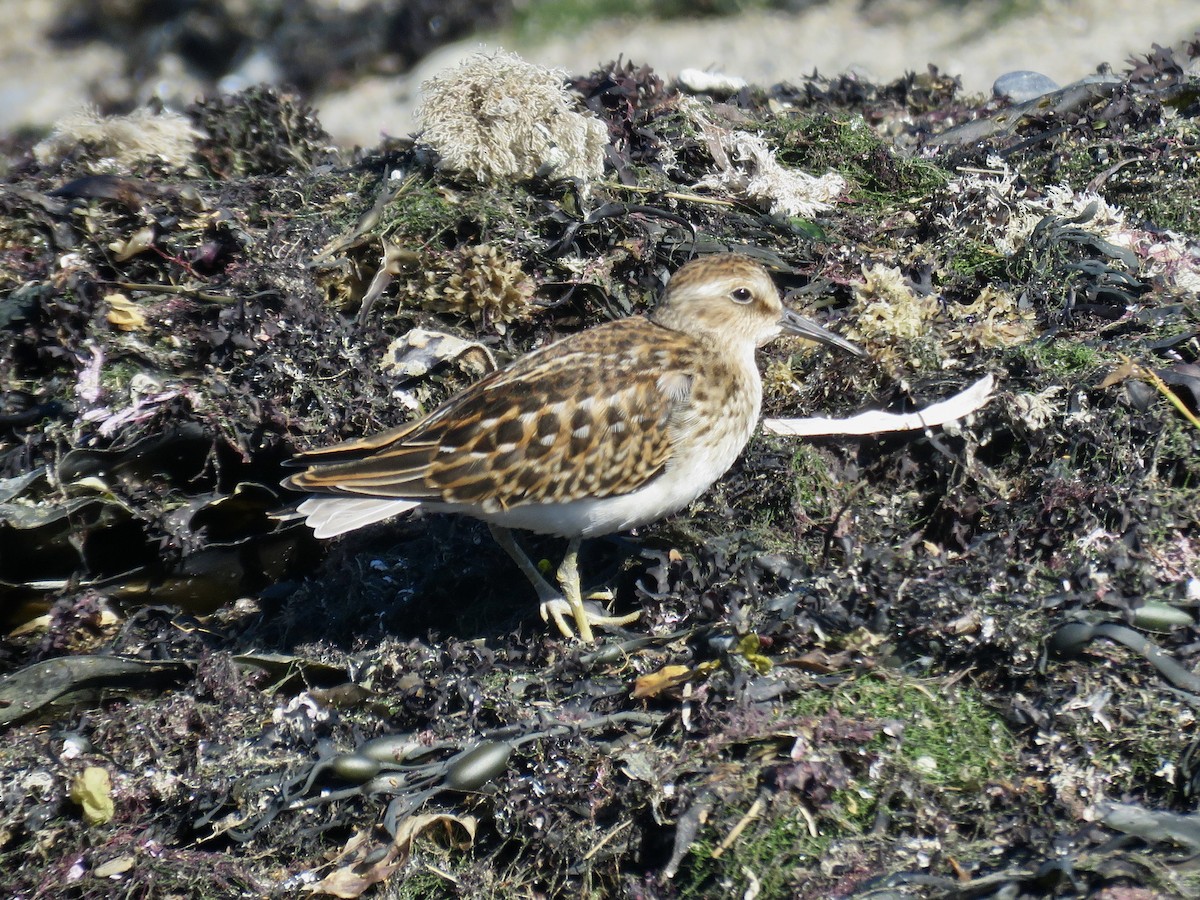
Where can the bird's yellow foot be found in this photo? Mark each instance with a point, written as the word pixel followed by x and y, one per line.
pixel 558 608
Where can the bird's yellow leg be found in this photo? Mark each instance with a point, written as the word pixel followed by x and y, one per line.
pixel 555 605
pixel 552 604
pixel 568 580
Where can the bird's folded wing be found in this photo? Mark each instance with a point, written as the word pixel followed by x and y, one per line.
pixel 589 417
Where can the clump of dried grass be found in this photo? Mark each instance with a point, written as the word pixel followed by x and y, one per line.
pixel 498 117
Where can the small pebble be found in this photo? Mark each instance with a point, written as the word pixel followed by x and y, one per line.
pixel 1022 85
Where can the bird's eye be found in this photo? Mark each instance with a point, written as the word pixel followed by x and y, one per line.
pixel 742 295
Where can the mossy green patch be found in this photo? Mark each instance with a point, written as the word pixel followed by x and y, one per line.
pixel 422 209
pixel 941 740
pixel 770 857
pixel 946 736
pixel 880 178
pixel 976 259
pixel 1062 358
pixel 814 487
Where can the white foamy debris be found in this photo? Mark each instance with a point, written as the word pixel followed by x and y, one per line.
pixel 747 167
pixel 1011 215
pixel 1036 411
pixel 496 117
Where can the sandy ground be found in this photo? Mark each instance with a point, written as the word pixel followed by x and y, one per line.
pixel 1064 39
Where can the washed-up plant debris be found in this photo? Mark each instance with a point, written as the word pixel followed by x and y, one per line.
pixel 952 661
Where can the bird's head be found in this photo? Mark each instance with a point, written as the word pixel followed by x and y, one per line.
pixel 731 299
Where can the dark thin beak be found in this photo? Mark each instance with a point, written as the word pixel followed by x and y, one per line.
pixel 794 323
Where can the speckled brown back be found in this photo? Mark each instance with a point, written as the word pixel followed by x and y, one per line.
pixel 520 436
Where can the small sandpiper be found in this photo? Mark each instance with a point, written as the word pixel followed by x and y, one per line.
pixel 600 432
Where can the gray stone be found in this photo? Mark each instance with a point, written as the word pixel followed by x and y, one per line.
pixel 1022 85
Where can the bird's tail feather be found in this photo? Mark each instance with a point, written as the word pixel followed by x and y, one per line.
pixel 330 516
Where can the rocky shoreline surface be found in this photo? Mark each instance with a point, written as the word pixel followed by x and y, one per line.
pixel 950 662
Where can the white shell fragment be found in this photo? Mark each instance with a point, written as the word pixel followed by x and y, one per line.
pixel 943 412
